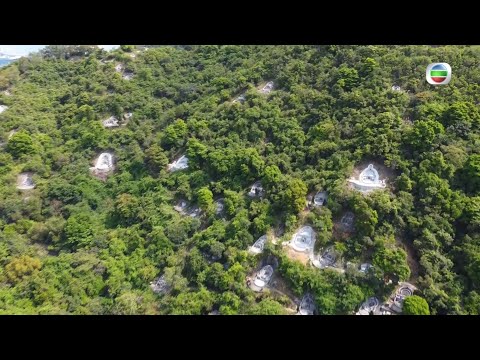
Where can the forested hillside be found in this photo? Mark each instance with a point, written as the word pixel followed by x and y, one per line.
pixel 82 244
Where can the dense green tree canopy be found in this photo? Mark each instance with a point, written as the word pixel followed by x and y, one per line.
pixel 87 242
pixel 415 305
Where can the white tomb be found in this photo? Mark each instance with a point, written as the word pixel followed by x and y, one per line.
pixel 3 108
pixel 263 277
pixel 320 198
pixel 347 221
pixel 368 180
pixel 369 306
pixel 13 132
pixel 396 88
pixel 303 240
pixel 112 121
pixel 119 68
pixel 327 259
pixel 256 190
pixel 240 99
pixel 267 88
pixel 181 206
pixel 104 162
pixel 180 164
pixel 307 305
pixel 403 292
pixel 127 76
pixel 25 182
pixel 259 245
pixel 365 267
pixel 160 285
pixel 219 206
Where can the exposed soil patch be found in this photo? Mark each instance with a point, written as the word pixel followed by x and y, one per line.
pixel 295 255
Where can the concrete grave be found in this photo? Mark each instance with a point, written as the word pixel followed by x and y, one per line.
pixel 368 180
pixel 259 245
pixel 256 190
pixel 112 121
pixel 180 164
pixel 262 278
pixel 307 305
pixel 369 306
pixel 160 285
pixel 303 240
pixel 320 198
pixel 25 181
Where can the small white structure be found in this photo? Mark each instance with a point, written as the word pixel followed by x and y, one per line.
pixel 127 115
pixel 256 190
pixel 160 285
pixel 119 68
pixel 267 89
pixel 112 121
pixel 347 221
pixel 240 99
pixel 369 306
pixel 396 88
pixel 405 290
pixel 303 240
pixel 307 305
pixel 104 162
pixel 263 277
pixel 194 212
pixel 219 206
pixel 127 75
pixel 320 198
pixel 368 180
pixel 7 93
pixel 180 164
pixel 25 181
pixel 13 132
pixel 181 207
pixel 327 259
pixel 365 267
pixel 259 245
pixel 3 108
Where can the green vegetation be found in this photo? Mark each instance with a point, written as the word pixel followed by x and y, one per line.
pixel 415 305
pixel 79 245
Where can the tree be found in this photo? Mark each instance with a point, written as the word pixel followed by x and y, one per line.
pixel 127 304
pixel 393 262
pixel 127 208
pixel 79 231
pixel 267 307
pixel 127 48
pixel 205 199
pixel 425 133
pixel 156 158
pixel 272 175
pixel 20 267
pixel 348 77
pixel 176 133
pixel 472 173
pixel 20 144
pixel 415 305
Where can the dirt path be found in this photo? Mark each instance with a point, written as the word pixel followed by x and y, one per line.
pixel 411 259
